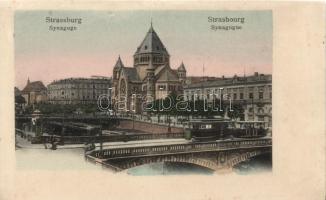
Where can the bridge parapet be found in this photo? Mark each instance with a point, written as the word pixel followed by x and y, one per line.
pixel 125 152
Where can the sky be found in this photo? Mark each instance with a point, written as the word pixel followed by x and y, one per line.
pixel 45 55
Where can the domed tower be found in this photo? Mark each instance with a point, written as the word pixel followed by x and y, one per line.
pixel 150 95
pixel 150 50
pixel 182 73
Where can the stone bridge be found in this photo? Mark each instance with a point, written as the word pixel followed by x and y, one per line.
pixel 215 155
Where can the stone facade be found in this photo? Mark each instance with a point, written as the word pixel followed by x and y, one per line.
pixel 78 90
pixel 150 78
pixel 34 92
pixel 253 92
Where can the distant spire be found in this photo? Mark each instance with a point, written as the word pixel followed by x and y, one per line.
pixel 181 67
pixel 28 80
pixel 203 76
pixel 119 63
pixel 203 69
pixel 244 71
pixel 151 29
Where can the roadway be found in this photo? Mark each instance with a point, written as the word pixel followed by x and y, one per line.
pixel 24 143
pixel 156 142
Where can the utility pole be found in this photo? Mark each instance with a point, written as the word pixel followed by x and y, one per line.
pixel 133 98
pixel 101 139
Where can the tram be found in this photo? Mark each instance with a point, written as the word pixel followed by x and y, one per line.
pixel 72 129
pixel 206 129
pixel 220 129
pixel 248 129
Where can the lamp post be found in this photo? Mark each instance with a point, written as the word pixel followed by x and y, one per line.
pixel 101 139
pixel 221 98
pixel 253 108
pixel 161 88
pixel 134 107
pixel 110 101
pixel 169 121
pixel 35 121
pixel 133 121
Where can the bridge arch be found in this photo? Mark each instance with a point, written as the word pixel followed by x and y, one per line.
pixel 264 159
pixel 160 168
pixel 205 163
pixel 218 161
pixel 237 158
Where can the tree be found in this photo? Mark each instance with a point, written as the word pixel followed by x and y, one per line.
pixel 198 108
pixel 237 111
pixel 20 100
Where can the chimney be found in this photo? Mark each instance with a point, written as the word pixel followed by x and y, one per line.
pixel 256 73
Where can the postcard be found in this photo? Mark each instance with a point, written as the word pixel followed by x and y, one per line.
pixel 165 100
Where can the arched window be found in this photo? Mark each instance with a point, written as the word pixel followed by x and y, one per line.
pixel 122 87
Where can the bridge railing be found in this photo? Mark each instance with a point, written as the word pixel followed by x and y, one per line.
pixel 116 138
pixel 48 138
pixel 179 148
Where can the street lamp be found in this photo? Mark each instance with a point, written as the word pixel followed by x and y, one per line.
pixel 110 101
pixel 221 97
pixel 161 87
pixel 134 109
pixel 35 120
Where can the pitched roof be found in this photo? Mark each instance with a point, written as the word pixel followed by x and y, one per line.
pixel 167 74
pixel 17 92
pixel 131 73
pixel 182 68
pixel 151 43
pixel 159 69
pixel 36 86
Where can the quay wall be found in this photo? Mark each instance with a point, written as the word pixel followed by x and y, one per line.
pixel 148 127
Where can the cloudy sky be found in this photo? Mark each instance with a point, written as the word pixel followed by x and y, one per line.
pixel 93 48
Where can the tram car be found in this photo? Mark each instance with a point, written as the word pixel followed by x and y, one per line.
pixel 206 129
pixel 219 129
pixel 248 129
pixel 72 129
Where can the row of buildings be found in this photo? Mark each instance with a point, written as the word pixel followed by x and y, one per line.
pixel 78 90
pixel 152 77
pixel 65 91
pixel 253 93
